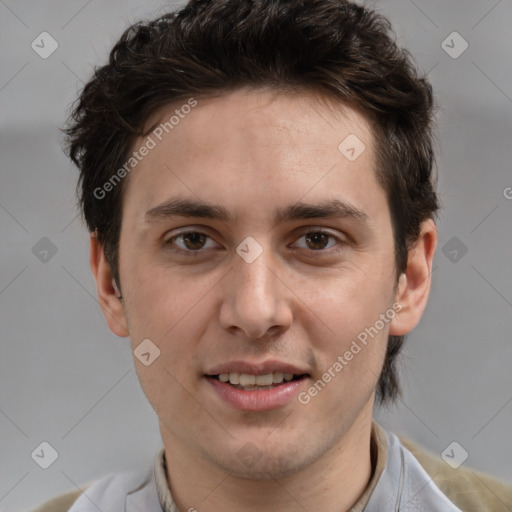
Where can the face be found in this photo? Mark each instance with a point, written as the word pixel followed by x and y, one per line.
pixel 250 244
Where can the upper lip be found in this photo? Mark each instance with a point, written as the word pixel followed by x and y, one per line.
pixel 261 368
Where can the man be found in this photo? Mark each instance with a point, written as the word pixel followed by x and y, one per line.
pixel 256 178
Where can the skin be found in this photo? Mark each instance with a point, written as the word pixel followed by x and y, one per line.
pixel 301 301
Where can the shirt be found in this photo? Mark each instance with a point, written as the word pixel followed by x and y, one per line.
pixel 398 482
pixel 378 452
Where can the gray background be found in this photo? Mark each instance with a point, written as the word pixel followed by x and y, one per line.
pixel 67 380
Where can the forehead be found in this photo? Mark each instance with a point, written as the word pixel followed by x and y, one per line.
pixel 269 146
pixel 262 113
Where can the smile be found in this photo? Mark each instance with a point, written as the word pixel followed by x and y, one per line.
pixel 255 393
pixel 254 382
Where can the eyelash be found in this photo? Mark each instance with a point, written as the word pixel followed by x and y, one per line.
pixel 199 252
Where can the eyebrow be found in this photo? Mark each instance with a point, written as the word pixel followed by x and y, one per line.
pixel 183 207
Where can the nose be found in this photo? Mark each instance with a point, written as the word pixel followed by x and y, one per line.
pixel 256 301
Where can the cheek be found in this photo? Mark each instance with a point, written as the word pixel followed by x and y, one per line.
pixel 166 319
pixel 162 300
pixel 169 391
pixel 349 358
pixel 345 304
pixel 350 340
pixel 169 318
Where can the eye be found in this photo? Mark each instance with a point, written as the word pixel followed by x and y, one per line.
pixel 318 240
pixel 194 243
pixel 190 242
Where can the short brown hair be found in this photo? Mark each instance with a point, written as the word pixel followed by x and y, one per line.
pixel 334 47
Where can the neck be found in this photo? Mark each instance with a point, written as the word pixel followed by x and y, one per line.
pixel 332 483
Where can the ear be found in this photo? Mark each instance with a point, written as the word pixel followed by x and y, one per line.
pixel 108 294
pixel 414 284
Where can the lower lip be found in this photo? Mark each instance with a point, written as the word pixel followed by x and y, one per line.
pixel 264 400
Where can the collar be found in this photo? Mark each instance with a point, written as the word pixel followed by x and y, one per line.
pixel 378 450
pixel 399 484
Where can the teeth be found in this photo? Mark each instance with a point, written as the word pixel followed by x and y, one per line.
pixel 246 380
pixel 264 380
pixel 277 377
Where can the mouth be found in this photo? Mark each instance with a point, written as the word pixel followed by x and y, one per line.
pixel 257 388
pixel 249 382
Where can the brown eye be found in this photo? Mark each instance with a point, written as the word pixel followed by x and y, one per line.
pixel 190 242
pixel 193 240
pixel 319 241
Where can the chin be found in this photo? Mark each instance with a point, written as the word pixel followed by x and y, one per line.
pixel 251 463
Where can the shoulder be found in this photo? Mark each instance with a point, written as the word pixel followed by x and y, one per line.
pixel 470 490
pixel 61 503
pixel 108 493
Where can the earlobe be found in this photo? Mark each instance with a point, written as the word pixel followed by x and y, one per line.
pixel 109 296
pixel 414 284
